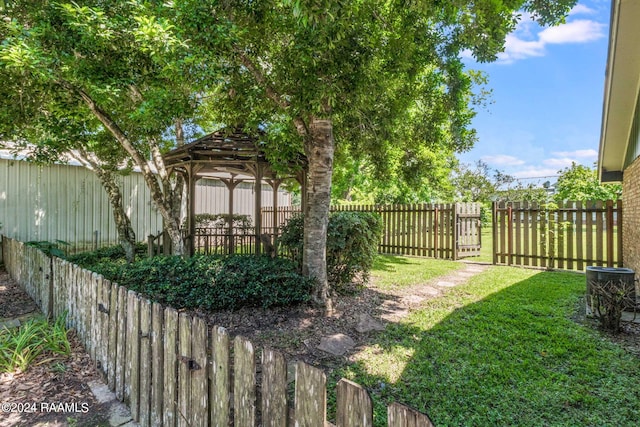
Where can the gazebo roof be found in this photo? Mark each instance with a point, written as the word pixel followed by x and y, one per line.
pixel 223 154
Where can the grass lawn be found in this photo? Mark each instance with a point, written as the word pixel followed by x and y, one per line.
pixel 393 272
pixel 501 350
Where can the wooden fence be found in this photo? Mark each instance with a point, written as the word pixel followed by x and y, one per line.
pixel 447 231
pixel 171 369
pixel 569 235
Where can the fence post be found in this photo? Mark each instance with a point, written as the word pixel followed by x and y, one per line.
pixel 494 231
pixel 455 231
pixel 609 220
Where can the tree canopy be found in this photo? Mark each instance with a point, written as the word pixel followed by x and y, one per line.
pixel 581 183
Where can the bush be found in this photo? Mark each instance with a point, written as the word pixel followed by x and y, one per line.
pixel 352 245
pixel 105 256
pixel 213 282
pixel 610 297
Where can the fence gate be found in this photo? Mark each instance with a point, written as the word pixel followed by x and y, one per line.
pixel 468 230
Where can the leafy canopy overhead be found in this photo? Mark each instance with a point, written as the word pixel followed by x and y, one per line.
pixel 387 73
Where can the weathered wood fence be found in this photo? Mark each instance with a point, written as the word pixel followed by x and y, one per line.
pixel 446 231
pixel 569 235
pixel 172 369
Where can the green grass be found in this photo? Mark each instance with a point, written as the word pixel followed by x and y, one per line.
pixel 392 272
pixel 20 347
pixel 502 350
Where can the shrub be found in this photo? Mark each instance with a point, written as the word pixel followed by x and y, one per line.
pixel 610 297
pixel 104 256
pixel 214 282
pixel 352 245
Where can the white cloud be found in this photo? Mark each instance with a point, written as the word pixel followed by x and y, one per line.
pixel 578 31
pixel 502 160
pixel 581 9
pixel 535 172
pixel 581 154
pixel 524 42
pixel 559 162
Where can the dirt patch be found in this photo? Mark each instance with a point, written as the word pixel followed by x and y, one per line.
pixel 14 302
pixel 53 391
pixel 296 332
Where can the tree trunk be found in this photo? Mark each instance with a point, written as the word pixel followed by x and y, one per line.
pixel 126 235
pixel 158 196
pixel 319 148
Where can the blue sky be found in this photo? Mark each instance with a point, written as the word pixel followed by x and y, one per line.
pixel 547 96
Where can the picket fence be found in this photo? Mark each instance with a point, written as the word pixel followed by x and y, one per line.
pixel 171 369
pixel 444 230
pixel 567 235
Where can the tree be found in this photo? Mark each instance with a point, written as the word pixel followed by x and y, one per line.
pixel 474 184
pixel 351 72
pixel 579 182
pixel 105 81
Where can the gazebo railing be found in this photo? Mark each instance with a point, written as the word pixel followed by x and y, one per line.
pixel 219 241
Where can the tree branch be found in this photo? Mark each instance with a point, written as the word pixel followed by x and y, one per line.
pixel 258 74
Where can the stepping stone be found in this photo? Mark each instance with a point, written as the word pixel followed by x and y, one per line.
pixel 412 300
pixel 446 284
pixel 101 391
pixel 337 344
pixel 475 269
pixel 429 290
pixel 465 274
pixel 367 323
pixel 119 415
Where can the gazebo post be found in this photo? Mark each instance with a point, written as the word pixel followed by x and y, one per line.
pixel 231 186
pixel 258 208
pixel 191 209
pixel 302 179
pixel 275 184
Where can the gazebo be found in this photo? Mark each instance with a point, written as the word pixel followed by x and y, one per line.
pixel 232 157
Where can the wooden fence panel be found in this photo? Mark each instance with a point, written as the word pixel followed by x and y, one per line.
pixel 169 401
pixel 219 377
pixel 417 229
pixel 199 374
pixel 274 389
pixel 92 330
pixel 184 370
pixel 244 383
pixel 132 367
pixel 144 412
pixel 353 405
pixel 114 312
pixel 310 396
pixel 569 235
pixel 157 364
pixel 121 351
pixel 403 416
pixel 599 233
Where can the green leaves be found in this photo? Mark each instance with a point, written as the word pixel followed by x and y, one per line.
pixel 581 183
pixel 352 246
pixel 20 347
